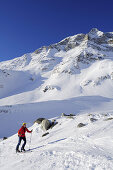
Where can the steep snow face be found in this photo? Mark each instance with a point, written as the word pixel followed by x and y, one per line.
pixel 76 66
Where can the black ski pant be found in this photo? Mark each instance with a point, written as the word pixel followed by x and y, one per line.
pixel 19 142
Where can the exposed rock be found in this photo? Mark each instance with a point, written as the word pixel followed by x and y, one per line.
pixel 110 118
pixel 90 114
pixel 44 48
pixel 4 138
pixel 39 120
pixel 48 88
pixel 85 83
pixel 110 41
pixel 68 116
pixel 99 80
pixel 93 119
pixel 105 114
pixel 70 46
pixel 81 125
pixel 53 123
pixel 45 134
pixel 71 114
pixel 95 33
pixel 63 114
pixel 46 124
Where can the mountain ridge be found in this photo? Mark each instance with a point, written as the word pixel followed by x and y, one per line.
pixel 77 65
pixel 66 44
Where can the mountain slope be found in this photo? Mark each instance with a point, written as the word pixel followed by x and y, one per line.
pixel 65 147
pixel 73 76
pixel 79 65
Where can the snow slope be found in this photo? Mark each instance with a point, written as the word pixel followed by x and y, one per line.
pixel 12 116
pixel 74 76
pixel 79 65
pixel 65 147
pixel 63 77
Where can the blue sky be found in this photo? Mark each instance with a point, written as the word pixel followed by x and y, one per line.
pixel 26 25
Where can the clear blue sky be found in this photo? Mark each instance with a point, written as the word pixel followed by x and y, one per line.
pixel 26 25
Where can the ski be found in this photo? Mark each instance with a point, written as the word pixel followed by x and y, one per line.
pixel 23 151
pixel 27 151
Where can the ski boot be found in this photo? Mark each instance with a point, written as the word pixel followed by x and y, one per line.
pixel 17 150
pixel 23 150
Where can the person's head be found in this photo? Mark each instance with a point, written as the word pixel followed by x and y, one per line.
pixel 24 124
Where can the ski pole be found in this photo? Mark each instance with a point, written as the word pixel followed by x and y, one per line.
pixel 30 141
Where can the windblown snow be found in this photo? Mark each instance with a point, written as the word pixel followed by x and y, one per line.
pixel 74 76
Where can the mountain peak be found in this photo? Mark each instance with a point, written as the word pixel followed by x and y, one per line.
pixel 84 60
pixel 95 33
pixel 94 30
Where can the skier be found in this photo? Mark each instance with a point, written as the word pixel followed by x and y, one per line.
pixel 21 135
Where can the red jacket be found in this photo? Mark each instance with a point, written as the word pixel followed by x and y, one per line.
pixel 22 131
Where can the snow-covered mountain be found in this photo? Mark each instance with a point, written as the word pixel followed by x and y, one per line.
pixel 79 65
pixel 72 76
pixel 76 69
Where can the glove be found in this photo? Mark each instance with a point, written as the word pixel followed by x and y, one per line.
pixel 31 130
pixel 19 134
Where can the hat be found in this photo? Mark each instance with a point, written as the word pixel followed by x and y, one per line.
pixel 23 123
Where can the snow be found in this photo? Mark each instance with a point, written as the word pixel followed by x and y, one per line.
pixel 66 146
pixel 95 33
pixel 74 76
pixel 98 74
